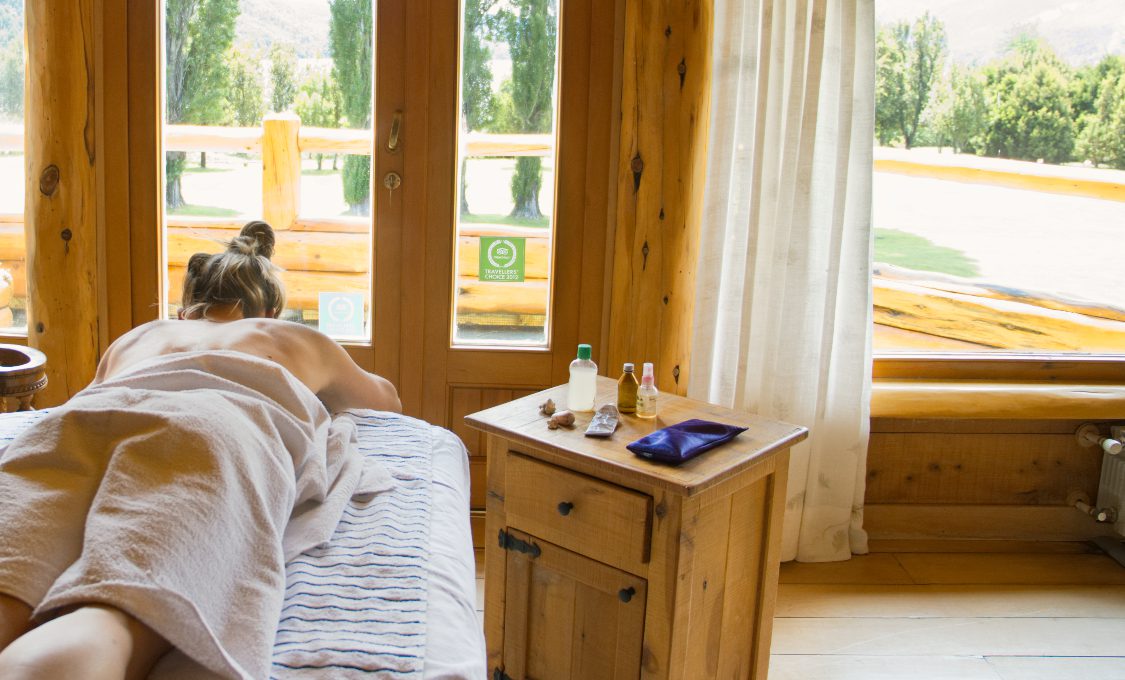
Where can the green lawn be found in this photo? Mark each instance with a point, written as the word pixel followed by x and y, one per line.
pixel 470 218
pixel 195 169
pixel 915 252
pixel 204 211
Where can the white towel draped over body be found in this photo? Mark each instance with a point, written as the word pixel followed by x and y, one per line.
pixel 176 492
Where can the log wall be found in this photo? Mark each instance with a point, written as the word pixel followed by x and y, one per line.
pixel 61 213
pixel 665 103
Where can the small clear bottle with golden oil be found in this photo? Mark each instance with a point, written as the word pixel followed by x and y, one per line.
pixel 647 394
pixel 627 390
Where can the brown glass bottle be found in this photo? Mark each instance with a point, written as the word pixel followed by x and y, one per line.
pixel 627 391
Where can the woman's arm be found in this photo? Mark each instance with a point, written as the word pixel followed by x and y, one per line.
pixel 345 385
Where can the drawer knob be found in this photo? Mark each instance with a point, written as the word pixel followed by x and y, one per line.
pixel 565 507
pixel 626 594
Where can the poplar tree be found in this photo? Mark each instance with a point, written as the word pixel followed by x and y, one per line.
pixel 349 38
pixel 245 93
pixel 477 106
pixel 283 76
pixel 531 31
pixel 318 105
pixel 198 34
pixel 11 59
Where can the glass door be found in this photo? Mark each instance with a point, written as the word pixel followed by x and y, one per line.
pixel 268 116
pixel 506 165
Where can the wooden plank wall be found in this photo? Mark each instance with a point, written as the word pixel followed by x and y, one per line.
pixel 946 472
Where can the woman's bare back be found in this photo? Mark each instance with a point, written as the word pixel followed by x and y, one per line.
pixel 313 358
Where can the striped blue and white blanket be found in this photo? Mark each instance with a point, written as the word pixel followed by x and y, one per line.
pixel 357 607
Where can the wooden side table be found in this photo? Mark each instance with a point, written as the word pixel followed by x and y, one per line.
pixel 601 564
pixel 23 372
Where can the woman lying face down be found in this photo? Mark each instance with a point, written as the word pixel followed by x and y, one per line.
pixel 268 374
pixel 230 302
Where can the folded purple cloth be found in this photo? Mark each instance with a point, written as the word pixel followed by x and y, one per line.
pixel 682 441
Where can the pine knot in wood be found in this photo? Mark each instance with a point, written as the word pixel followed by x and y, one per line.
pixel 637 166
pixel 49 180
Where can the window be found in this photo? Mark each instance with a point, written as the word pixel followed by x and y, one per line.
pixel 505 224
pixel 999 191
pixel 267 115
pixel 13 261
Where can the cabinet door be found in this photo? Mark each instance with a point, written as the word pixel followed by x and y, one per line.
pixel 567 616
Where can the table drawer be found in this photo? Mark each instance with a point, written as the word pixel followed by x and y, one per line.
pixel 587 515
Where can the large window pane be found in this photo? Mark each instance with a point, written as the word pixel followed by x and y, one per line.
pixel 13 264
pixel 505 223
pixel 999 180
pixel 268 116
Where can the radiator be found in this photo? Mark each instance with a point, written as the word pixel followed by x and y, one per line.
pixel 1111 490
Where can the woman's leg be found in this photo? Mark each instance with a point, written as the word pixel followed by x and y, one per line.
pixel 15 619
pixel 93 642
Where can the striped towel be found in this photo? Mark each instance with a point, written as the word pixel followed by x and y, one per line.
pixel 355 608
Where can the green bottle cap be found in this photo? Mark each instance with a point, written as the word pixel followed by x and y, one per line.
pixel 584 351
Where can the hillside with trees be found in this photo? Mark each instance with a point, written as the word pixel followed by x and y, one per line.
pixel 1028 104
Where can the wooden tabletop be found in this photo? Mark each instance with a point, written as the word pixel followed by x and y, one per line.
pixel 520 421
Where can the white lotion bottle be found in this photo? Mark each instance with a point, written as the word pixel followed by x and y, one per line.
pixel 647 394
pixel 583 383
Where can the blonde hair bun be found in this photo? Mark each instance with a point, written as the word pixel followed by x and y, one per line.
pixel 256 238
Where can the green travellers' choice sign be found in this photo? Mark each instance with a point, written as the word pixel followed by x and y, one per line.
pixel 502 258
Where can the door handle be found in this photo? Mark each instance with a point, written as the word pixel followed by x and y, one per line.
pixel 392 138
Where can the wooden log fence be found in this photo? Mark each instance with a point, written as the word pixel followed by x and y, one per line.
pixel 330 253
pixel 320 253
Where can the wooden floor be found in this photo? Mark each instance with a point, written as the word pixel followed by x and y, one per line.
pixel 951 610
pixel 965 610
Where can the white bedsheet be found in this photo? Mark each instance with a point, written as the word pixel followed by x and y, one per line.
pixel 455 640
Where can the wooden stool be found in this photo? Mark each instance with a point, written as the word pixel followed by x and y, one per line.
pixel 23 372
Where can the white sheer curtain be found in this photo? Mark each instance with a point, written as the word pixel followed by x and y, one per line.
pixel 783 292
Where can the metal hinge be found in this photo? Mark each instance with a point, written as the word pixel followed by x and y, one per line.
pixel 499 674
pixel 510 542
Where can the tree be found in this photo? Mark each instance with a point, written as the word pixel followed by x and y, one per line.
pixel 1087 82
pixel 908 60
pixel 961 116
pixel 531 31
pixel 198 34
pixel 283 76
pixel 1030 118
pixel 349 37
pixel 1102 140
pixel 244 94
pixel 11 79
pixel 477 108
pixel 318 105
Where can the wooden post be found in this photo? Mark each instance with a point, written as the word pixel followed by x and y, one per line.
pixel 665 105
pixel 60 213
pixel 281 170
